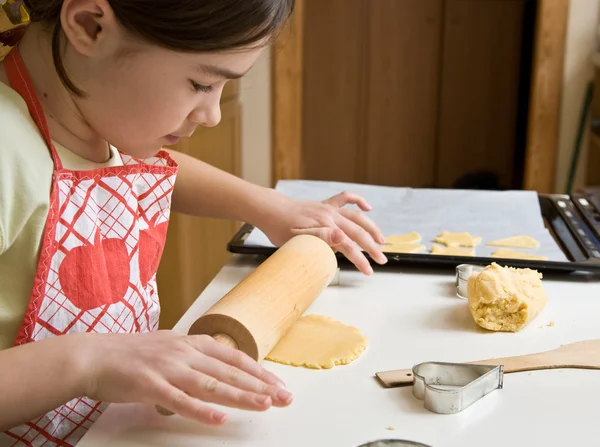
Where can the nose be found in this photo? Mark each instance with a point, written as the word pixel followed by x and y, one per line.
pixel 208 113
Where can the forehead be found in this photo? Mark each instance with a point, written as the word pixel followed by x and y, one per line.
pixel 240 60
pixel 237 61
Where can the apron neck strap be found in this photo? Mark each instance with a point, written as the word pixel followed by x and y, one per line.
pixel 20 81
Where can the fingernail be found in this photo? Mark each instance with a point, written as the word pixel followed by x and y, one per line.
pixel 283 395
pixel 261 400
pixel 219 417
pixel 381 238
pixel 280 384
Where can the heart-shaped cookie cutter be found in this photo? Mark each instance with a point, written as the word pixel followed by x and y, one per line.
pixel 448 388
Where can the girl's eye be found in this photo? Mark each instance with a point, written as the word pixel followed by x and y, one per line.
pixel 201 88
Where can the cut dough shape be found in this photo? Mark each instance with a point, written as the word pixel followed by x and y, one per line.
pixel 318 342
pixel 505 299
pixel 403 248
pixel 516 242
pixel 512 254
pixel 452 251
pixel 457 239
pixel 409 238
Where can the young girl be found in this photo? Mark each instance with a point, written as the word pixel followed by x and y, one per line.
pixel 83 225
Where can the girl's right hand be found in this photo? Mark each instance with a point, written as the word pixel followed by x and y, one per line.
pixel 179 373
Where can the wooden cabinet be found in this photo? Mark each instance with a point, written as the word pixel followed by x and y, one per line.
pixel 196 247
pixel 413 92
pixel 479 89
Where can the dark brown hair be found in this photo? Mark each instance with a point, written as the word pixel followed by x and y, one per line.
pixel 181 25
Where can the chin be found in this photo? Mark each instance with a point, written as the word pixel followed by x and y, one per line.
pixel 142 153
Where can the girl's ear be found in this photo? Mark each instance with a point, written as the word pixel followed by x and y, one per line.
pixel 87 23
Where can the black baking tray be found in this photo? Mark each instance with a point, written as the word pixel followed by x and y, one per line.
pixel 573 221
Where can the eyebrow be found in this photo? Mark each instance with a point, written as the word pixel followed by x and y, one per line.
pixel 212 70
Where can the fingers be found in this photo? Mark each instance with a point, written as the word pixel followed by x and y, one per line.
pixel 234 368
pixel 363 221
pixel 363 239
pixel 235 358
pixel 338 240
pixel 212 390
pixel 355 255
pixel 175 400
pixel 348 198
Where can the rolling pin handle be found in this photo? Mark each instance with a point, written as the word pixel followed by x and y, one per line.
pixel 226 340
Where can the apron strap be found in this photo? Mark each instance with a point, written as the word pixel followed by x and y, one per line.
pixel 21 83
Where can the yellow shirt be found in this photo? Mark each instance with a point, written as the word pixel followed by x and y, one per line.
pixel 25 179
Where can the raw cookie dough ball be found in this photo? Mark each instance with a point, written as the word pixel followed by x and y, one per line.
pixel 505 298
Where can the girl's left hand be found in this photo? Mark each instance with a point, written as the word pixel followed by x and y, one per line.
pixel 346 230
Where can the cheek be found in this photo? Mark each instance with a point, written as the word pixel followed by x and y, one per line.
pixel 130 111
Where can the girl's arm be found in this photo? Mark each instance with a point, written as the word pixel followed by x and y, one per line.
pixel 203 190
pixel 38 377
pixel 178 372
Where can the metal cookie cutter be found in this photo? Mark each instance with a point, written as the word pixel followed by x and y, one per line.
pixel 449 388
pixel 463 272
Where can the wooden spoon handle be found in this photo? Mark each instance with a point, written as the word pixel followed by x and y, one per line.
pixel 532 362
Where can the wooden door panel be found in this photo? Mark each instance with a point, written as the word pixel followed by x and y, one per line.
pixel 333 109
pixel 404 54
pixel 479 89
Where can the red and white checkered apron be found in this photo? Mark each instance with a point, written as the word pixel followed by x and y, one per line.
pixel 102 243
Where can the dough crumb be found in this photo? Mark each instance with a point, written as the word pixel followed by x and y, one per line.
pixel 515 242
pixel 505 299
pixel 457 239
pixel 512 254
pixel 390 428
pixel 551 324
pixel 451 251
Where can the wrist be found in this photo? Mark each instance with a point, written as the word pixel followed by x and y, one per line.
pixel 79 362
pixel 263 203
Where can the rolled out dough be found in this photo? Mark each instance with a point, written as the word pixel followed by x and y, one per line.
pixel 457 239
pixel 403 248
pixel 512 254
pixel 515 242
pixel 451 251
pixel 505 298
pixel 319 342
pixel 409 238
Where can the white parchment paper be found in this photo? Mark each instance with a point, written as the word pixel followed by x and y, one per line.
pixel 489 214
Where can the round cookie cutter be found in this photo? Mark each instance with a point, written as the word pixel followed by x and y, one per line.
pixel 463 272
pixel 393 443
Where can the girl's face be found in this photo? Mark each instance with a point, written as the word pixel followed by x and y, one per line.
pixel 140 97
pixel 154 97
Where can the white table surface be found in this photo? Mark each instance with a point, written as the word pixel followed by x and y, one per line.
pixel 409 316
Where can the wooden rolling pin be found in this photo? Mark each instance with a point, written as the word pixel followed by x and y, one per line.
pixel 259 311
pixel 580 355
